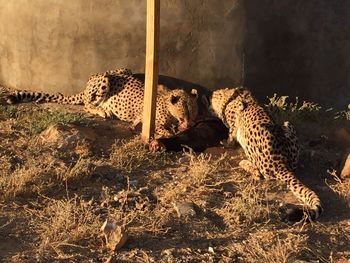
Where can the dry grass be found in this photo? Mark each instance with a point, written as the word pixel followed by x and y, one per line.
pixel 43 118
pixel 248 206
pixel 63 225
pixel 81 170
pixel 130 156
pixel 271 248
pixel 13 184
pixel 202 167
pixel 191 178
pixel 53 203
pixel 340 186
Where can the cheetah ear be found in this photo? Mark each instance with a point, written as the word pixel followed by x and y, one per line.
pixel 174 99
pixel 194 93
pixel 161 88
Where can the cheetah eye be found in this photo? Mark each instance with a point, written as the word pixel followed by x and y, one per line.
pixel 174 99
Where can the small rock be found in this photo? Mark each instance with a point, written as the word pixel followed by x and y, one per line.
pixel 184 159
pixel 345 172
pixel 184 209
pixel 228 194
pixel 66 137
pixel 211 250
pixel 144 190
pixel 167 252
pixel 115 236
pixel 312 153
pixel 133 183
pixel 183 169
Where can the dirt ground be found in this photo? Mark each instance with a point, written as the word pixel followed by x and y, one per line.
pixel 63 173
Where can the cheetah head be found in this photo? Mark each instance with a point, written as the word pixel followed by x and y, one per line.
pixel 220 98
pixel 97 90
pixel 183 106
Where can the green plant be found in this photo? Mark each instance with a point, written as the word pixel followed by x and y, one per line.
pixel 343 115
pixel 8 111
pixel 282 110
pixel 37 121
pixel 43 119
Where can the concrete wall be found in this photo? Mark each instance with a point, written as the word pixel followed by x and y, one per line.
pixel 299 48
pixel 291 47
pixel 54 45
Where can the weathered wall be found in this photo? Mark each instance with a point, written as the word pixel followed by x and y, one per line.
pixel 291 47
pixel 299 48
pixel 54 45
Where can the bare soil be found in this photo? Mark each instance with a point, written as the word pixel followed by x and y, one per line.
pixel 54 198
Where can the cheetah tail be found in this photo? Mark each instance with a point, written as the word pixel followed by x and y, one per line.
pixel 40 97
pixel 312 202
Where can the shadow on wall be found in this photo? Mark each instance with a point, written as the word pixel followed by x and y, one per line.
pixel 300 48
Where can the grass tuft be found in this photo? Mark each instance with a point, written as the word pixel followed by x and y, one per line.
pixel 15 183
pixel 38 120
pixel 64 224
pixel 248 206
pixel 80 171
pixel 8 111
pixel 45 119
pixel 282 110
pixel 267 247
pixel 130 156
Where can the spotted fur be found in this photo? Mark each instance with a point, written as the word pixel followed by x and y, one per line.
pixel 118 93
pixel 272 150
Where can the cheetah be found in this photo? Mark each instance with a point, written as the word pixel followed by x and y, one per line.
pixel 118 93
pixel 272 150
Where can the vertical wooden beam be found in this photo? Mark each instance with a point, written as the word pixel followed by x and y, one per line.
pixel 151 74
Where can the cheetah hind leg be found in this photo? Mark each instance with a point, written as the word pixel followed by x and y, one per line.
pixel 249 167
pixel 291 142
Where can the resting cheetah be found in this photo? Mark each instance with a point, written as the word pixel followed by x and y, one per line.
pixel 118 93
pixel 272 150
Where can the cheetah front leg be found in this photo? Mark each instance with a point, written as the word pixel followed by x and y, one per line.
pixel 249 167
pixel 232 138
pixel 160 129
pixel 136 122
pixel 162 132
pixel 97 111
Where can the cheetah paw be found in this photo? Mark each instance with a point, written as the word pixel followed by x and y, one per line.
pixel 156 145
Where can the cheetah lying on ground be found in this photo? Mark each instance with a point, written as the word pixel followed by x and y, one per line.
pixel 272 150
pixel 118 93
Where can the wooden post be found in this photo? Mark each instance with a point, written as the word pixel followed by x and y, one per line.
pixel 151 74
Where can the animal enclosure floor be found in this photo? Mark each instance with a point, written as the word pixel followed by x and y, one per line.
pixel 63 173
